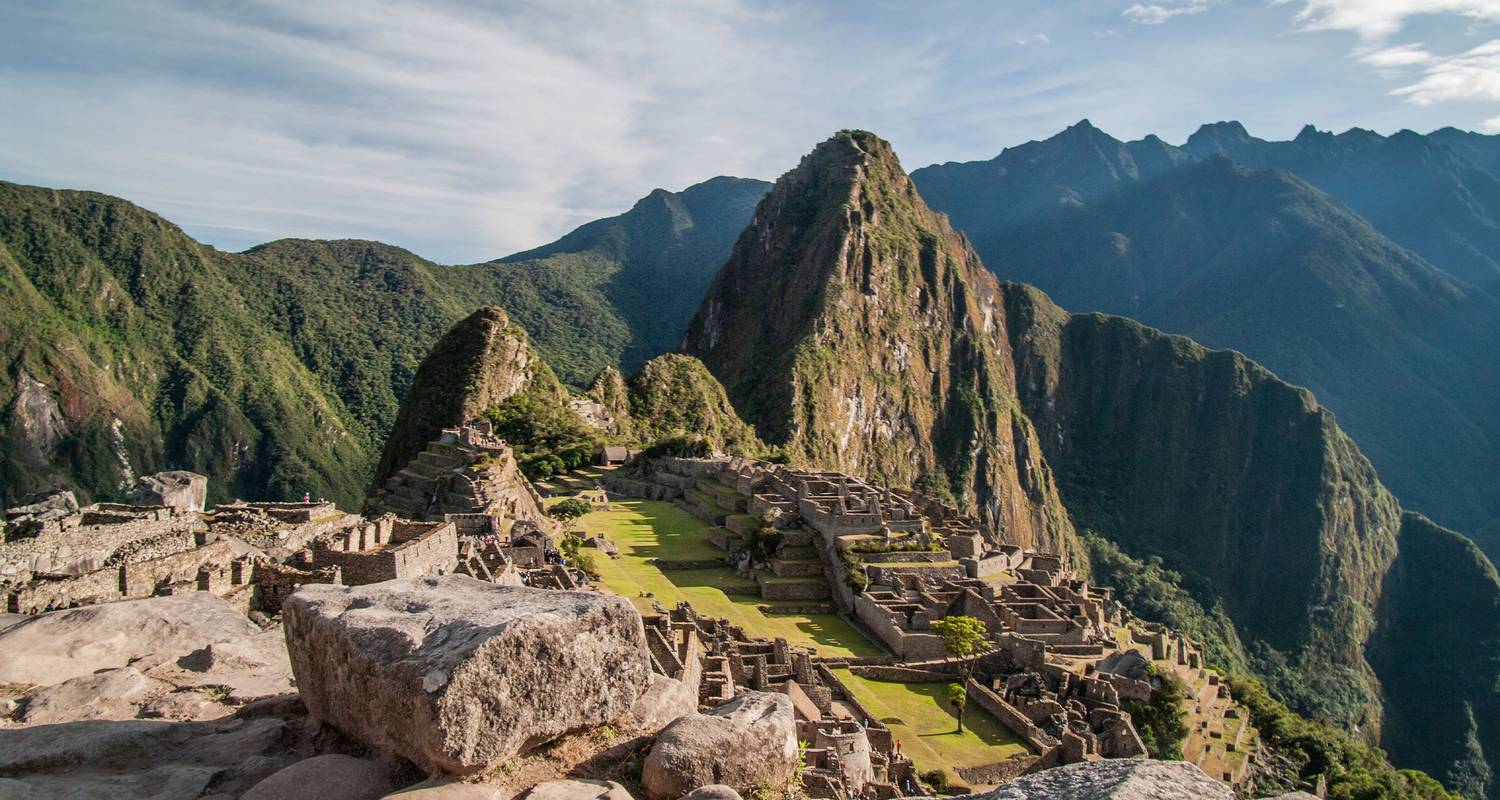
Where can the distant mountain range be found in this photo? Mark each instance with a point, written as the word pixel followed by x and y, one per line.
pixel 128 347
pixel 1355 265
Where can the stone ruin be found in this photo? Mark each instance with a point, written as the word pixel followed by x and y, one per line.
pixel 466 470
pixel 895 561
pixel 55 554
pixel 850 753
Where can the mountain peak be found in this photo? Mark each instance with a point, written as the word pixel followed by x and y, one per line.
pixel 482 360
pixel 1216 137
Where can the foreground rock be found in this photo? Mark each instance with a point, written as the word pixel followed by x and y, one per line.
pixel 1121 779
pixel 747 743
pixel 457 675
pixel 54 647
pixel 330 777
pixel 578 790
pixel 148 760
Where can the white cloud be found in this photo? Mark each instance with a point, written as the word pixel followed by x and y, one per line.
pixel 1491 125
pixel 1037 38
pixel 1157 13
pixel 1376 20
pixel 1401 55
pixel 1472 75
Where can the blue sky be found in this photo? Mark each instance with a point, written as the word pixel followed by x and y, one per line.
pixel 467 131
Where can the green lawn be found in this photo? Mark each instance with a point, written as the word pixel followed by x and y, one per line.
pixel 647 529
pixel 919 715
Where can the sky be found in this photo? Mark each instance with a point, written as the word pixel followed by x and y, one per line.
pixel 468 131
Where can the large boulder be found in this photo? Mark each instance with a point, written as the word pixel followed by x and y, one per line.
pixel 330 777
pixel 54 647
pixel 180 489
pixel 747 743
pixel 1117 779
pixel 456 674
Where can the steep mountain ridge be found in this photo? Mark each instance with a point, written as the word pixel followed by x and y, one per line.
pixel 649 268
pixel 481 362
pixel 854 328
pixel 1260 261
pixel 862 305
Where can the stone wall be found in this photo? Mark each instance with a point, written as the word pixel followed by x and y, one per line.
pixel 141 579
pixel 1011 717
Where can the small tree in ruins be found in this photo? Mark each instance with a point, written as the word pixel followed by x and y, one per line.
pixel 963 638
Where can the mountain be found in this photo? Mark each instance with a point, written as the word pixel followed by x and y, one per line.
pixel 1260 261
pixel 854 328
pixel 128 347
pixel 1415 190
pixel 636 278
pixel 481 362
pixel 1480 149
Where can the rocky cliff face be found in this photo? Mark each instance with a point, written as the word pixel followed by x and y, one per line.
pixel 852 326
pixel 478 364
pixel 1235 478
pixel 1437 651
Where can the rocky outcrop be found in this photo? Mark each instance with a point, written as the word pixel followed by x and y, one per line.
pixel 185 491
pixel 853 326
pixel 457 675
pixel 54 647
pixel 747 743
pixel 1113 779
pixel 480 362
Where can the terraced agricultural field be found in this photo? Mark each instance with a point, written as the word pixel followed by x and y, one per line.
pixel 643 530
pixel 920 717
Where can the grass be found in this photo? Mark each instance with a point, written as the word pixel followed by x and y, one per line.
pixel 647 529
pixel 918 714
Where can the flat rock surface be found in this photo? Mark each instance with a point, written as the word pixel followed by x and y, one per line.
pixel 1120 779
pixel 577 790
pixel 456 674
pixel 445 789
pixel 138 759
pixel 330 777
pixel 747 743
pixel 51 648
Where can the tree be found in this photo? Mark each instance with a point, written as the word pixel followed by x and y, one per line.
pixel 569 509
pixel 963 638
pixel 958 697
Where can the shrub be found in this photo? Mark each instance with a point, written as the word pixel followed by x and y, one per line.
pixel 569 509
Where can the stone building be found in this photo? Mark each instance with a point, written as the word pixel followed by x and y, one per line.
pixel 387 548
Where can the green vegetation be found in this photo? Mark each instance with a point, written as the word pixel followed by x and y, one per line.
pixel 547 436
pixel 958 697
pixel 1161 721
pixel 281 370
pixel 1353 770
pixel 569 509
pixel 922 719
pixel 645 530
pixel 1153 592
pixel 963 638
